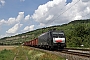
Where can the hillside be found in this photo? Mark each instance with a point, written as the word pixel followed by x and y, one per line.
pixel 77 33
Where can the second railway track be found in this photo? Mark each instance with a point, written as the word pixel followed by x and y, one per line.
pixel 71 54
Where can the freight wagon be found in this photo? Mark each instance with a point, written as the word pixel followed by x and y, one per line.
pixel 49 40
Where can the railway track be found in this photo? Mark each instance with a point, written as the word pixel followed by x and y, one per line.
pixel 76 54
pixel 79 52
pixel 71 54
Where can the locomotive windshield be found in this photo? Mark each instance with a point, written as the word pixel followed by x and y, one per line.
pixel 58 35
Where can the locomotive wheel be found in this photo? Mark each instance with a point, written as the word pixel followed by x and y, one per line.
pixel 51 48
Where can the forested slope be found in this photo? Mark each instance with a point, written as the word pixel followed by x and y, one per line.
pixel 77 33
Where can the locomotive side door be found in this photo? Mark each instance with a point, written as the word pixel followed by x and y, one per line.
pixel 50 38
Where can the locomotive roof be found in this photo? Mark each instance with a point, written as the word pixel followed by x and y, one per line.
pixel 57 31
pixel 51 31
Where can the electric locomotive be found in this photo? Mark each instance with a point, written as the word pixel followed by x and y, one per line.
pixel 52 40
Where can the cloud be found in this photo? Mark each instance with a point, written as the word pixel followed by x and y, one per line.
pixel 2 21
pixel 49 17
pixel 85 0
pixel 15 24
pixel 1 36
pixel 27 17
pixel 20 16
pixel 41 25
pixel 59 12
pixel 14 29
pixel 29 28
pixel 2 3
pixel 55 12
pixel 43 9
pixel 11 21
pixel 47 12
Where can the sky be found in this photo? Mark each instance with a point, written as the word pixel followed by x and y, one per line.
pixel 20 16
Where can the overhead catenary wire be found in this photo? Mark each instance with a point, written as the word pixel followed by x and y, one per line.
pixel 64 11
pixel 51 9
pixel 50 21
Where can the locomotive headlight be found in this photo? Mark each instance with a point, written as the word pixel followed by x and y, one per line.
pixel 58 40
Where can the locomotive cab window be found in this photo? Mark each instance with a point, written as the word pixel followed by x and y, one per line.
pixel 58 35
pixel 55 35
pixel 61 35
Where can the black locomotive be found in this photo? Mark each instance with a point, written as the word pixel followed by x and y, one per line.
pixel 49 40
pixel 52 40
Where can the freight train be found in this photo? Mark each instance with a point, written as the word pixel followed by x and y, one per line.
pixel 49 40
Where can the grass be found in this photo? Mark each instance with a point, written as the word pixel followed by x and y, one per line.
pixel 6 54
pixel 26 53
pixel 40 55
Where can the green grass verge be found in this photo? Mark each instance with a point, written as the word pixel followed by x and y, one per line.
pixel 40 55
pixel 6 55
pixel 27 53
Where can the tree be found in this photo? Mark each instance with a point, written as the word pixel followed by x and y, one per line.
pixel 81 31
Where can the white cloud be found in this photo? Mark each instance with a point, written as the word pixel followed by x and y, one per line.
pixel 77 17
pixel 14 29
pixel 41 25
pixel 27 17
pixel 8 22
pixel 47 12
pixel 2 21
pixel 49 17
pixel 16 25
pixel 59 12
pixel 29 28
pixel 52 13
pixel 87 10
pixel 1 36
pixel 2 3
pixel 43 9
pixel 85 0
pixel 17 22
pixel 11 21
pixel 20 16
